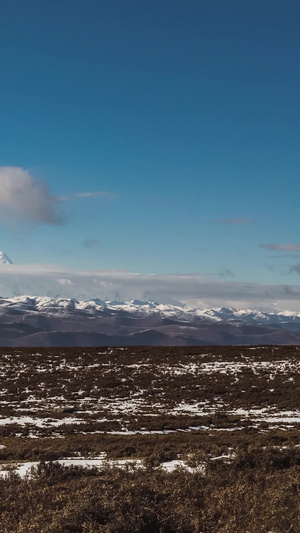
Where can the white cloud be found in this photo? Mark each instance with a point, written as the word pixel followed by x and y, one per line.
pixel 64 281
pixel 24 197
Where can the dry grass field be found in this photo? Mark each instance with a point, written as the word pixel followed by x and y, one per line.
pixel 139 439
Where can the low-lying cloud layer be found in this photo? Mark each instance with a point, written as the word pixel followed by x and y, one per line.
pixel 24 197
pixel 192 289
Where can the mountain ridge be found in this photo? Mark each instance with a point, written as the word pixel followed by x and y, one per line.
pixel 48 303
pixel 46 321
pixel 44 303
pixel 4 259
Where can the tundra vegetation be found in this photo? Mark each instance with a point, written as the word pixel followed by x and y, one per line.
pixel 190 439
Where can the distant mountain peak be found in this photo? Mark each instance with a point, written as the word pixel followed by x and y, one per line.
pixel 4 259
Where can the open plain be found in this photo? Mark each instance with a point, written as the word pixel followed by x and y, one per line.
pixel 216 418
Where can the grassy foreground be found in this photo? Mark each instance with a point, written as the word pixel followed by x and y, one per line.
pixel 258 491
pixel 231 411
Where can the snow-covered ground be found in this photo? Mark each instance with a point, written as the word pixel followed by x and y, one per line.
pixel 26 468
pixel 125 391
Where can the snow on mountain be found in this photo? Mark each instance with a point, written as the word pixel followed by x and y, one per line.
pixel 4 259
pixel 136 308
pixel 46 321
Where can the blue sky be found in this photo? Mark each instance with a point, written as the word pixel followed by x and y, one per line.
pixel 186 114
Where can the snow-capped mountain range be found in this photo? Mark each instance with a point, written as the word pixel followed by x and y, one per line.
pixel 61 321
pixel 45 321
pixel 140 309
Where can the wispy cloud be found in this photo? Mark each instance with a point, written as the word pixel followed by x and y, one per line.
pixel 88 194
pixel 281 247
pixel 292 291
pixel 90 244
pixel 226 273
pixel 24 197
pixel 92 194
pixel 286 256
pixel 234 221
pixel 295 268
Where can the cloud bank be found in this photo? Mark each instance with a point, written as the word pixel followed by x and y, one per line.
pixel 23 197
pixel 191 289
